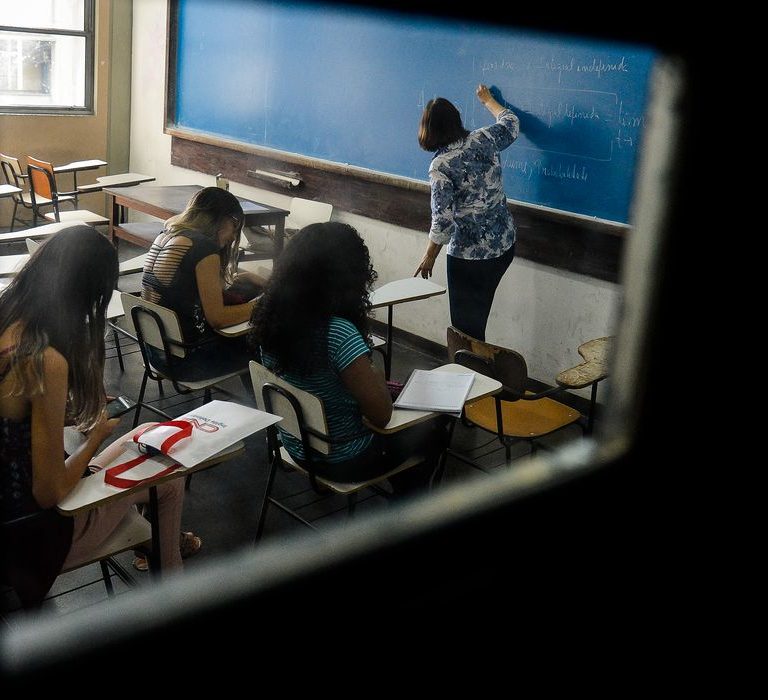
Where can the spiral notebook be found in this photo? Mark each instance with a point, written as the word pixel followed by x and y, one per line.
pixel 436 390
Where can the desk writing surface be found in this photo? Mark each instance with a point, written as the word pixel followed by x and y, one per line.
pixel 118 180
pixel 91 491
pixel 596 354
pixel 115 306
pixel 76 165
pixel 35 233
pixel 234 330
pixel 132 265
pixel 262 268
pixel 173 199
pixel 11 264
pixel 402 418
pixel 408 289
pixel 8 190
pixel 124 179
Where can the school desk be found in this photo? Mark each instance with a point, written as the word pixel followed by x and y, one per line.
pixel 169 200
pixel 118 180
pixel 91 492
pixel 36 233
pixel 403 418
pixel 592 371
pixel 115 306
pixel 78 166
pixel 11 264
pixel 136 264
pixel 8 190
pixel 399 292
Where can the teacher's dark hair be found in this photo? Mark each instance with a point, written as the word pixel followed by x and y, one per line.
pixel 440 125
pixel 59 299
pixel 324 271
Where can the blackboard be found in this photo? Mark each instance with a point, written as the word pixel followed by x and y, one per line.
pixel 348 85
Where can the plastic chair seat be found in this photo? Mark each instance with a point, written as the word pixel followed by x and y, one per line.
pixel 83 215
pixel 27 197
pixel 304 417
pixel 524 415
pixel 134 531
pixel 193 385
pixel 522 419
pixel 158 327
pixel 345 488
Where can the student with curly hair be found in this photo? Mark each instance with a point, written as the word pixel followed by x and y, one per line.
pixel 311 327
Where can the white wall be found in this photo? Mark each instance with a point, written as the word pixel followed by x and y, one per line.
pixel 543 313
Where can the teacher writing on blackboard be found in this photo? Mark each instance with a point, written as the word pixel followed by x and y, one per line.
pixel 469 207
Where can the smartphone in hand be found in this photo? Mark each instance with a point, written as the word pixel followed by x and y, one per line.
pixel 119 406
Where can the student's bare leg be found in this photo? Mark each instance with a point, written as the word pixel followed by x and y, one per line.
pixel 95 526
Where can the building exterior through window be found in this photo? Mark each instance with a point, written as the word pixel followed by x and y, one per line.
pixel 46 55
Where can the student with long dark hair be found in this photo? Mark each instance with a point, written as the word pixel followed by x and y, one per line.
pixel 52 321
pixel 311 327
pixel 189 267
pixel 469 207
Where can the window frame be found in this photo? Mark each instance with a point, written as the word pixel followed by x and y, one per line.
pixel 88 33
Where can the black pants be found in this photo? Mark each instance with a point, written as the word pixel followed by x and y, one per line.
pixel 215 358
pixel 428 440
pixel 471 287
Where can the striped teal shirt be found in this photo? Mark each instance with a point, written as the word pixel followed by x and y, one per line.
pixel 344 346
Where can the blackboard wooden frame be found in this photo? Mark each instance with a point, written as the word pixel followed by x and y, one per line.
pixel 554 238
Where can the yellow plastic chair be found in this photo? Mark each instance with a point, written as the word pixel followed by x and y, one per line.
pixel 515 414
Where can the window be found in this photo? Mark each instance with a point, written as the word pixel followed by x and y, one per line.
pixel 46 56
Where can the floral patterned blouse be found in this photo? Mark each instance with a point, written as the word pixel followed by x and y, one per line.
pixel 469 207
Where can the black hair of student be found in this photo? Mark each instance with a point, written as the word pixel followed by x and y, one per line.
pixel 60 299
pixel 325 270
pixel 440 125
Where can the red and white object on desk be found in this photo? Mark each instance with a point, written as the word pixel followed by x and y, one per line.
pixel 191 439
pixel 215 426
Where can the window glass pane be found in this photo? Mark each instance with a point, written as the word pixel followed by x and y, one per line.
pixel 43 14
pixel 42 70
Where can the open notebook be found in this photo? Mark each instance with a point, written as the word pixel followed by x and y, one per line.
pixel 435 390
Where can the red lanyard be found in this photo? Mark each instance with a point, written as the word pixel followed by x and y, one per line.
pixel 185 431
pixel 111 478
pixel 111 474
